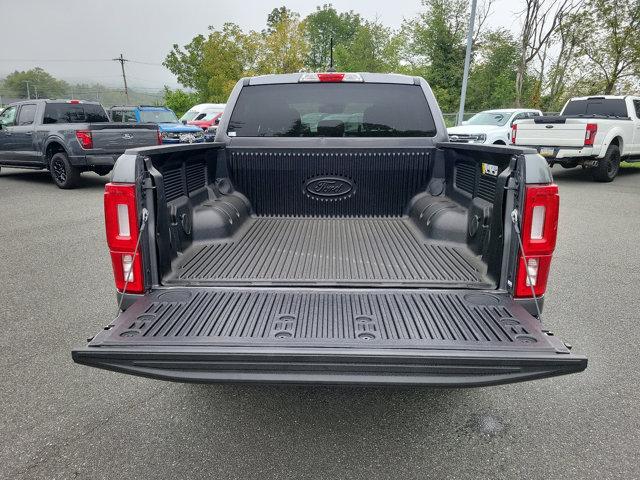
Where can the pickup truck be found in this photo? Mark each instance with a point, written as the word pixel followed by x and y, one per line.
pixel 66 137
pixel 331 234
pixel 492 127
pixel 595 132
pixel 171 129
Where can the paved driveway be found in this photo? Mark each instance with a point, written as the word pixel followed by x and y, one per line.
pixel 61 420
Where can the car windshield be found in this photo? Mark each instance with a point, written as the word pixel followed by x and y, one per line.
pixel 209 115
pixel 332 110
pixel 190 115
pixel 158 116
pixel 497 119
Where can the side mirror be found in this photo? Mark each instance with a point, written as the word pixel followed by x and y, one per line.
pixel 464 122
pixel 217 121
pixel 184 122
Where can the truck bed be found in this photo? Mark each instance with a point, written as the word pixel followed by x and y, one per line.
pixel 363 251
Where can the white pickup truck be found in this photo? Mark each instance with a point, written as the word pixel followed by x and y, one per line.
pixel 595 132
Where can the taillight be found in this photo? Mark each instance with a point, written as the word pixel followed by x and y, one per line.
pixel 590 134
pixel 514 132
pixel 159 137
pixel 121 220
pixel 539 232
pixel 85 138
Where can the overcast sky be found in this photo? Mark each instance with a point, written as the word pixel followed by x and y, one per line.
pixel 73 39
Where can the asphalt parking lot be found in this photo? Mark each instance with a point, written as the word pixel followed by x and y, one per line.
pixel 61 420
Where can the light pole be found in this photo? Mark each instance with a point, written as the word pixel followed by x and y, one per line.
pixel 467 61
pixel 28 90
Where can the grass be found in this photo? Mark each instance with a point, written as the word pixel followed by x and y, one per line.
pixel 630 165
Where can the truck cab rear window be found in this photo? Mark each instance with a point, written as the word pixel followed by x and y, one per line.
pixel 596 107
pixel 74 113
pixel 332 110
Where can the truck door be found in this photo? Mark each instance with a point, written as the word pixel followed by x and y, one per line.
pixel 23 140
pixel 7 124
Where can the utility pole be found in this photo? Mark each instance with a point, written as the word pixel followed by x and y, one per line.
pixel 121 59
pixel 467 61
pixel 35 87
pixel 28 90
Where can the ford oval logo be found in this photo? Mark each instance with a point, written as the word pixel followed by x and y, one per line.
pixel 329 187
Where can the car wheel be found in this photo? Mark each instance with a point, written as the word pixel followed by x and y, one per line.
pixel 63 173
pixel 609 166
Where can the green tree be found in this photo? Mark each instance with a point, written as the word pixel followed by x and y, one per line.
pixel 323 25
pixel 40 84
pixel 212 65
pixel 374 48
pixel 492 81
pixel 613 45
pixel 283 47
pixel 180 101
pixel 435 47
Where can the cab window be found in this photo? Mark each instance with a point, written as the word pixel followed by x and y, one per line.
pixel 129 116
pixel 27 114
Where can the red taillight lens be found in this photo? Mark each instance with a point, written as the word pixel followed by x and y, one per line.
pixel 331 77
pixel 159 137
pixel 85 138
pixel 121 221
pixel 539 233
pixel 590 134
pixel 514 132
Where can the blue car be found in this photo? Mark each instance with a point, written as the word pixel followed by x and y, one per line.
pixel 171 130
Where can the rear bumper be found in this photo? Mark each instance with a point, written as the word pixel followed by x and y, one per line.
pixel 330 366
pixel 559 153
pixel 94 160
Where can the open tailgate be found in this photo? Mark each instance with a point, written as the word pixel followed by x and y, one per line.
pixel 441 337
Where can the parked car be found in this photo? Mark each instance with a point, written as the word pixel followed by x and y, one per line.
pixel 491 126
pixel 297 250
pixel 197 110
pixel 171 130
pixel 595 132
pixel 210 117
pixel 66 137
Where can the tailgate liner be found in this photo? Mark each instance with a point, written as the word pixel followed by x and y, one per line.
pixel 329 336
pixel 330 251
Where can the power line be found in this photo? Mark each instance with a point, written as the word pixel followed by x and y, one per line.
pixel 79 60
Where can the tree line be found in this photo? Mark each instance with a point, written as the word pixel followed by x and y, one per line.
pixel 564 48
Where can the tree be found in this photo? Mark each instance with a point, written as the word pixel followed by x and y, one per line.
pixel 374 48
pixel 492 78
pixel 180 101
pixel 41 84
pixel 613 46
pixel 435 47
pixel 284 47
pixel 541 19
pixel 212 65
pixel 323 25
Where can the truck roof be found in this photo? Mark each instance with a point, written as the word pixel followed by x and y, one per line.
pixel 366 77
pixel 600 97
pixel 55 100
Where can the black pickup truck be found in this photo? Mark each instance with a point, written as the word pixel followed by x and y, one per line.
pixel 331 234
pixel 67 137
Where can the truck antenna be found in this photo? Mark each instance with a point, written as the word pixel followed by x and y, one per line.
pixel 331 69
